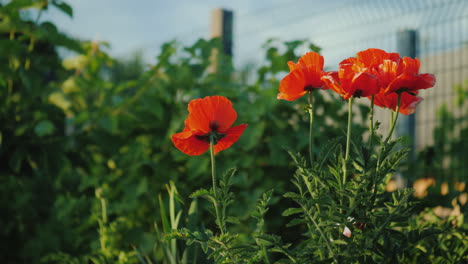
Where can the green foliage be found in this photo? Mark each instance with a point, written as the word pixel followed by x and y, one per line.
pixel 444 161
pixel 88 173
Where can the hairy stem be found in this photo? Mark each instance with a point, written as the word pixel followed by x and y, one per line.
pixel 102 226
pixel 265 255
pixel 379 160
pixel 311 121
pixel 371 123
pixel 348 137
pixel 215 192
pixel 327 243
pixel 394 121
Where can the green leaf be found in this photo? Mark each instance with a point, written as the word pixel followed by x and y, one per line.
pixel 44 128
pixel 291 211
pixel 291 195
pixel 64 7
pixel 340 242
pixel 23 4
pixel 232 220
pixel 204 194
pixel 199 193
pixel 295 222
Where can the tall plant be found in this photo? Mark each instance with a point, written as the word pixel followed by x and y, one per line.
pixel 340 196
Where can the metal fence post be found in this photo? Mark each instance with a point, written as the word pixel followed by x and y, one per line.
pixel 221 27
pixel 407 43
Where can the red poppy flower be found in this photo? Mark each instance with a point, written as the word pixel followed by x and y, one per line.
pixel 408 78
pixel 347 82
pixel 210 117
pixel 378 62
pixel 303 77
pixel 408 102
pixel 371 59
pixel 393 72
pixel 364 74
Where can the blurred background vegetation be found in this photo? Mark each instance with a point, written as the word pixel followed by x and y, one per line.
pixel 86 161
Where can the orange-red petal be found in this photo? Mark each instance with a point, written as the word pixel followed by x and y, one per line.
pixel 331 80
pixel 292 66
pixel 366 83
pixel 388 71
pixel 411 66
pixel 292 86
pixel 232 135
pixel 313 61
pixel 204 112
pixel 374 57
pixel 307 73
pixel 348 82
pixel 408 102
pixel 411 82
pixel 188 143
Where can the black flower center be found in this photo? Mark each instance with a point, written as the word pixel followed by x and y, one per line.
pixel 213 135
pixel 214 125
pixel 358 93
pixel 402 90
pixel 309 88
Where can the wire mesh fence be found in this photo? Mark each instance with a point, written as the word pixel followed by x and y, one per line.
pixel 441 28
pixel 342 28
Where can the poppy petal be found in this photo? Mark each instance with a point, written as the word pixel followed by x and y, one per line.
pixel 409 103
pixel 331 80
pixel 367 83
pixel 232 135
pixel 374 57
pixel 292 66
pixel 411 82
pixel 188 143
pixel 203 113
pixel 426 80
pixel 350 60
pixel 313 61
pixel 388 71
pixel 292 86
pixel 411 66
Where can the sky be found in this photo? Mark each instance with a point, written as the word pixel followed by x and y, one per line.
pixel 146 24
pixel 341 27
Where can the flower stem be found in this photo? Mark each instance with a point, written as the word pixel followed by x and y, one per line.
pixel 311 121
pixel 265 255
pixel 371 123
pixel 320 231
pixel 348 137
pixel 103 226
pixel 213 177
pixel 392 127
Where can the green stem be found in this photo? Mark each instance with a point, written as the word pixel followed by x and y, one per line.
pixel 228 250
pixel 215 192
pixel 104 210
pixel 394 121
pixel 265 255
pixel 348 137
pixel 327 243
pixel 311 121
pixel 103 231
pixel 379 160
pixel 371 123
pixel 392 117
